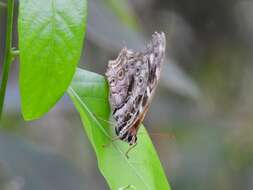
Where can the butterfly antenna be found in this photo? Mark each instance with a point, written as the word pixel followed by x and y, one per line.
pixel 104 120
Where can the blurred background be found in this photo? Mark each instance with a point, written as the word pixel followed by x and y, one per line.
pixel 205 99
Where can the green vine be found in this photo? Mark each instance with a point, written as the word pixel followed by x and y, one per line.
pixel 8 55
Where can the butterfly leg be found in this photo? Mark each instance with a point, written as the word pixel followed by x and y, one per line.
pixel 129 149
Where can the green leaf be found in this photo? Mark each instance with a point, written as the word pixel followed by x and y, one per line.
pixel 51 34
pixel 143 170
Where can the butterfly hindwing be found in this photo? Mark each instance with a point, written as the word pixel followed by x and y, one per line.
pixel 132 78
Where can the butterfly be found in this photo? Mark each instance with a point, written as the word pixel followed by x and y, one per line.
pixel 133 78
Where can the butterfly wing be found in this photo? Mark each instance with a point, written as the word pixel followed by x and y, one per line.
pixel 131 94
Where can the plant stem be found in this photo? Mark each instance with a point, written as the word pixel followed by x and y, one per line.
pixel 7 54
pixel 14 53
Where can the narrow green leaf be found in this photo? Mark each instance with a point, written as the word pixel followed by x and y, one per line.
pixel 142 170
pixel 51 34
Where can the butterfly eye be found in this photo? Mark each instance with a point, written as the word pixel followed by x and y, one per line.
pixel 140 81
pixel 112 82
pixel 120 74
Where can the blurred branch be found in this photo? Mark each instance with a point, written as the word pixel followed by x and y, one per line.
pixel 7 54
pixel 174 79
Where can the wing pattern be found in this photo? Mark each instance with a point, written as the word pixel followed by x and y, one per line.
pixel 132 78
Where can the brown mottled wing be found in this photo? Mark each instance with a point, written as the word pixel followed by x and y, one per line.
pixel 133 78
pixel 151 60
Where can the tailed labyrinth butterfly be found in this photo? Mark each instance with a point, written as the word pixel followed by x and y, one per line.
pixel 133 78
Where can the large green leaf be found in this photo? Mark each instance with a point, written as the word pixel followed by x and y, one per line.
pixel 51 34
pixel 142 170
